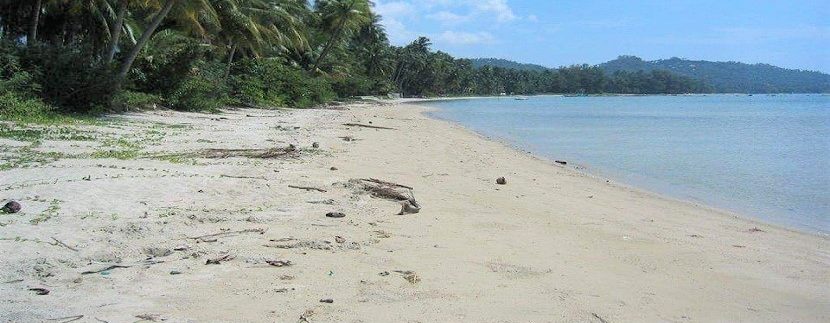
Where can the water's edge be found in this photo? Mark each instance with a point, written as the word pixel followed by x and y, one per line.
pixel 584 169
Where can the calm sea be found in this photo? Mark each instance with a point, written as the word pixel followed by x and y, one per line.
pixel 763 156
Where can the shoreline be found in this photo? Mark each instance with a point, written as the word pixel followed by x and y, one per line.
pixel 166 232
pixel 586 171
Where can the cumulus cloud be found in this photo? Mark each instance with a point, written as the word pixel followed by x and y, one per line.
pixel 499 8
pixel 465 38
pixel 448 18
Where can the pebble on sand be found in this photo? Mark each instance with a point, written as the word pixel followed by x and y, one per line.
pixel 335 215
pixel 12 207
pixel 501 181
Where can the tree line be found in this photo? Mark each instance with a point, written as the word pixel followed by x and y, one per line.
pixel 93 55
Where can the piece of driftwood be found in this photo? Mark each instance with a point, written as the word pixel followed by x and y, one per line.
pixel 219 260
pixel 67 319
pixel 307 188
pixel 599 318
pixel 227 233
pixel 244 177
pixel 382 182
pixel 60 243
pixel 220 153
pixel 366 126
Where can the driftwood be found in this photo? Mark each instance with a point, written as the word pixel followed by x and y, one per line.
pixel 244 177
pixel 217 153
pixel 111 267
pixel 308 188
pixel 219 260
pixel 67 319
pixel 391 191
pixel 599 318
pixel 367 126
pixel 377 181
pixel 60 243
pixel 206 237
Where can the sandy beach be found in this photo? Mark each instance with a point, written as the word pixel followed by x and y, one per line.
pixel 140 217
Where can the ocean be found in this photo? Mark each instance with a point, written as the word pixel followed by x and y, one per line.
pixel 763 156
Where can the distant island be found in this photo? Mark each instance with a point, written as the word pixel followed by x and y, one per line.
pixel 717 77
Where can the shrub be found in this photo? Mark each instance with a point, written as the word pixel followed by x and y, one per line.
pixel 17 108
pixel 274 83
pixel 130 100
pixel 202 90
pixel 69 77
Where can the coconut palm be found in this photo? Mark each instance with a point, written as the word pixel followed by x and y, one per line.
pixel 339 17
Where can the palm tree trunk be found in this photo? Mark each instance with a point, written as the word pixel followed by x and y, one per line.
pixel 115 33
pixel 326 49
pixel 230 62
pixel 32 37
pixel 128 62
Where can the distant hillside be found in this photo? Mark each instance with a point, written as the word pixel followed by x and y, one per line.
pixel 503 63
pixel 730 76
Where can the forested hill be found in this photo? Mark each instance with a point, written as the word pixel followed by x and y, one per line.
pixel 503 63
pixel 730 77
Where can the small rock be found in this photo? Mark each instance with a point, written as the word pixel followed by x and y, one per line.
pixel 12 207
pixel 327 300
pixel 175 272
pixel 335 215
pixel 501 181
pixel 339 239
pixel 40 291
pixel 157 252
pixel 333 168
pixel 181 248
pixel 315 145
pixel 409 207
pixel 561 162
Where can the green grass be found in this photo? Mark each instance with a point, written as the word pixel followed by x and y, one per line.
pixel 50 212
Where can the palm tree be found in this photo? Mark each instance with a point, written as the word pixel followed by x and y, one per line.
pixel 190 16
pixel 339 16
pixel 36 8
pixel 115 30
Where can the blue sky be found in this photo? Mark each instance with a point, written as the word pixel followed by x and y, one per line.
pixel 792 34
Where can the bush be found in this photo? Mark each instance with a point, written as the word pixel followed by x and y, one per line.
pixel 130 100
pixel 202 90
pixel 271 82
pixel 69 77
pixel 17 108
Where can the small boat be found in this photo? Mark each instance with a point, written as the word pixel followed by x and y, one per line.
pixel 521 99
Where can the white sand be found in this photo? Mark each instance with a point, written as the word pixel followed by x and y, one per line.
pixel 551 245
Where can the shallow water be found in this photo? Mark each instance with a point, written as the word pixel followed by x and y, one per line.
pixel 764 156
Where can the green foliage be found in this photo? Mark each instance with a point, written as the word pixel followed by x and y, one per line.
pixel 69 77
pixel 131 100
pixel 202 90
pixel 273 83
pixel 729 77
pixel 16 108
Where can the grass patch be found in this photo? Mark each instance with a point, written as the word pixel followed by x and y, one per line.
pixel 50 212
pixel 116 154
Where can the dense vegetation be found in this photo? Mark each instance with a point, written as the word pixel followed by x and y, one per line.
pixel 730 77
pixel 508 64
pixel 94 55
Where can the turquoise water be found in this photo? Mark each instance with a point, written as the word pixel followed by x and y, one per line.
pixel 766 157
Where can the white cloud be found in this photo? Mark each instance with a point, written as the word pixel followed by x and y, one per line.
pixel 448 18
pixel 465 38
pixel 533 18
pixel 394 9
pixel 498 7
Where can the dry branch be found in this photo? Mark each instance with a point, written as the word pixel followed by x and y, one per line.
pixel 377 181
pixel 227 233
pixel 366 126
pixel 308 188
pixel 60 243
pixel 219 153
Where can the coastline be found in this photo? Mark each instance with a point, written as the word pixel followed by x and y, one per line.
pixel 587 171
pixel 554 244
